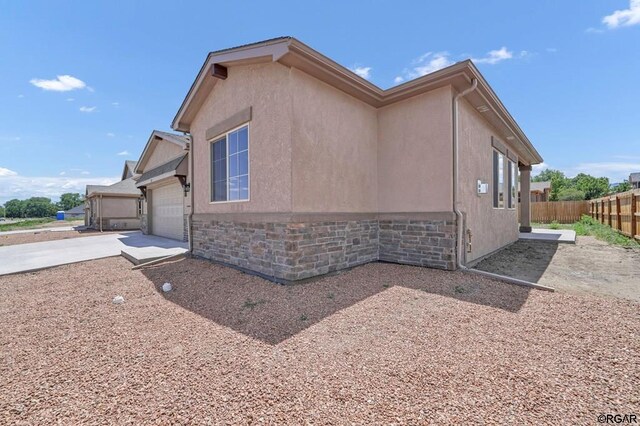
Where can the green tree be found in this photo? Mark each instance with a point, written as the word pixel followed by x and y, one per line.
pixel 570 194
pixel 14 208
pixel 39 207
pixel 621 187
pixel 2 211
pixel 548 175
pixel 69 201
pixel 592 187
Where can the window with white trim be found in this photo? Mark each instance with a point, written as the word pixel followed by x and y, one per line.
pixel 230 166
pixel 513 189
pixel 498 179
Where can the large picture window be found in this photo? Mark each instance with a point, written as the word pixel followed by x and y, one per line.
pixel 498 180
pixel 230 166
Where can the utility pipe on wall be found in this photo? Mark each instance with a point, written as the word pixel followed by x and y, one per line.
pixel 456 210
pixel 459 216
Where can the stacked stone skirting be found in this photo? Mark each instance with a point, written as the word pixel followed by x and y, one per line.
pixel 295 248
pixel 144 224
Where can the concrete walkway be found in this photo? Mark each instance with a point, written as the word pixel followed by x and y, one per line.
pixel 554 235
pixel 34 256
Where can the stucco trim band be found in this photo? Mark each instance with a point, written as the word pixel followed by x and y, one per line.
pixel 229 123
pixel 271 217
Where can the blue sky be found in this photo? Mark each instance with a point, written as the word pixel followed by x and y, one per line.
pixel 566 70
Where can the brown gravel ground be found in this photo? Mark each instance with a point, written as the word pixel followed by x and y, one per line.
pixel 39 236
pixel 381 344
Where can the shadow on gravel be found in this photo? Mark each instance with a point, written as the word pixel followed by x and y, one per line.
pixel 272 313
pixel 525 259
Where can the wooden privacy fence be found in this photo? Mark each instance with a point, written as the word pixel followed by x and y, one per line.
pixel 620 211
pixel 559 211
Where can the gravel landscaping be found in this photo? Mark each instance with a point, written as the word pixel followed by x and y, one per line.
pixel 383 344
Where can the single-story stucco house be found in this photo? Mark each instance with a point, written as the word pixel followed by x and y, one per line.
pixel 540 191
pixel 117 206
pixel 634 180
pixel 300 167
pixel 162 176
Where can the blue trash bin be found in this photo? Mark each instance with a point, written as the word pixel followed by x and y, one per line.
pixel 60 215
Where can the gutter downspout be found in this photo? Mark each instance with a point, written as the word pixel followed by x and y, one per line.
pixel 458 213
pixel 100 210
pixel 190 173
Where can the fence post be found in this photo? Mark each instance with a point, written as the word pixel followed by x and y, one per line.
pixel 618 214
pixel 602 210
pixel 634 219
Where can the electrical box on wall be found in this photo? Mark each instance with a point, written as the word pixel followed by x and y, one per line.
pixel 483 188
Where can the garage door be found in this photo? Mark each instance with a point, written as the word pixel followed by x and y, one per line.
pixel 167 211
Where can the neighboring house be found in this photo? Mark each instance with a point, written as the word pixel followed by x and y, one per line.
pixel 129 169
pixel 75 213
pixel 540 191
pixel 162 176
pixel 301 167
pixel 634 180
pixel 116 206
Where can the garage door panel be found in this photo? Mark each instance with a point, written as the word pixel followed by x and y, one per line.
pixel 167 211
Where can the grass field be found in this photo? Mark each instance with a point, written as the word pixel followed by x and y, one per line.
pixel 589 226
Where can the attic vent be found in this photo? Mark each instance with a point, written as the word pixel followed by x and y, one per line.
pixel 483 108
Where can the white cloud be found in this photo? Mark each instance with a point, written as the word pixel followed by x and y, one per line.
pixel 6 172
pixel 21 187
pixel 364 72
pixel 88 109
pixel 63 173
pixel 123 153
pixel 84 172
pixel 20 96
pixel 594 30
pixel 70 99
pixel 551 49
pixel 115 104
pixel 111 135
pixel 624 17
pixel 10 138
pixel 434 61
pixel 495 56
pixel 537 168
pixel 62 83
pixel 616 171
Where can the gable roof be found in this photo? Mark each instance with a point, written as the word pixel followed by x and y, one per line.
pixel 76 210
pixel 540 186
pixel 129 167
pixel 125 187
pixel 293 53
pixel 170 167
pixel 156 137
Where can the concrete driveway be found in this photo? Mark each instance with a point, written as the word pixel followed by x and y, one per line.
pixel 34 256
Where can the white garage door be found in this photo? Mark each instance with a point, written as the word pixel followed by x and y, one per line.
pixel 167 211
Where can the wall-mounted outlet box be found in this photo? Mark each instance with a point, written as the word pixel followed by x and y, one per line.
pixel 483 188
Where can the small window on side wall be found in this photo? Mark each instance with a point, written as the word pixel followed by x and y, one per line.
pixel 513 181
pixel 498 180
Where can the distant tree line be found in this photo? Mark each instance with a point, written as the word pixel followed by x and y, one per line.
pixel 581 187
pixel 40 206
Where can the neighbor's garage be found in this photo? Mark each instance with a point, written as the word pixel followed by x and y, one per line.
pixel 167 211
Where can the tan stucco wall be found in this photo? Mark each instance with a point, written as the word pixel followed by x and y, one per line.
pixel 415 154
pixel 334 152
pixel 163 152
pixel 119 207
pixel 491 228
pixel 265 88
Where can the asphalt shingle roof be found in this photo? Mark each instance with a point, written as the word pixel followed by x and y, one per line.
pixel 127 186
pixel 162 169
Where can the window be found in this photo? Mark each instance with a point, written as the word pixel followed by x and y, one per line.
pixel 498 180
pixel 513 189
pixel 230 166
